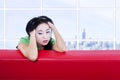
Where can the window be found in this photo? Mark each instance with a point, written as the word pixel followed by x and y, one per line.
pixel 18 4
pixel 117 23
pixel 83 24
pixel 1 24
pixel 1 4
pixel 97 27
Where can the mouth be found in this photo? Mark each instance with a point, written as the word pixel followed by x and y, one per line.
pixel 45 41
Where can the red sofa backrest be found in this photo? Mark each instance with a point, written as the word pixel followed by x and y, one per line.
pixel 70 65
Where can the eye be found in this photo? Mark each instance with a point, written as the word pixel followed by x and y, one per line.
pixel 40 33
pixel 48 32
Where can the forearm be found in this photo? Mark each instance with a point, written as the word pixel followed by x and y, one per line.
pixel 31 51
pixel 59 40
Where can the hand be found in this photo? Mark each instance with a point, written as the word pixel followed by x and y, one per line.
pixel 32 33
pixel 51 25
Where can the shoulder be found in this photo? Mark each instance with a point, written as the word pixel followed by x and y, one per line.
pixel 24 40
pixel 52 41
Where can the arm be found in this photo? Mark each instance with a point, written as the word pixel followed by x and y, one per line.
pixel 30 51
pixel 60 44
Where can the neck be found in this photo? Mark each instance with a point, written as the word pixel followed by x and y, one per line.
pixel 40 46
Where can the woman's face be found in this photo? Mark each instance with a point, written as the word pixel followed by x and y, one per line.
pixel 43 34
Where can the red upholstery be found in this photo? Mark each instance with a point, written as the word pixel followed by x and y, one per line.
pixel 51 65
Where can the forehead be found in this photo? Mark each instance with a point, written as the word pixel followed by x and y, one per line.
pixel 42 26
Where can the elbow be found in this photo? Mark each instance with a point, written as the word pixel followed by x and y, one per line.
pixel 32 58
pixel 62 49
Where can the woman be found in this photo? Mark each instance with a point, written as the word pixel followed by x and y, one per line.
pixel 39 30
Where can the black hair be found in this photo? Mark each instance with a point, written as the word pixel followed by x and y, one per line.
pixel 49 45
pixel 34 22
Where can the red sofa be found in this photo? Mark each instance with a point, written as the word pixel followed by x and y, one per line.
pixel 70 65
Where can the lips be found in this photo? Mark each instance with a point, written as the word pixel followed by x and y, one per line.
pixel 45 41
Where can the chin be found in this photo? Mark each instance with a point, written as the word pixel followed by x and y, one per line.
pixel 44 44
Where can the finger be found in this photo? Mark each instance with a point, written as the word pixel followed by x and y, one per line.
pixel 50 24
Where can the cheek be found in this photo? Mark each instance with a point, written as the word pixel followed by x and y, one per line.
pixel 38 37
pixel 49 35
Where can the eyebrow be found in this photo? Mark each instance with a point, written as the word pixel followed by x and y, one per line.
pixel 46 29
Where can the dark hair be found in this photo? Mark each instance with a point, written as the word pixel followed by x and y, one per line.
pixel 34 22
pixel 49 45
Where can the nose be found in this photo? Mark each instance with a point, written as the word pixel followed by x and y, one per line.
pixel 44 36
